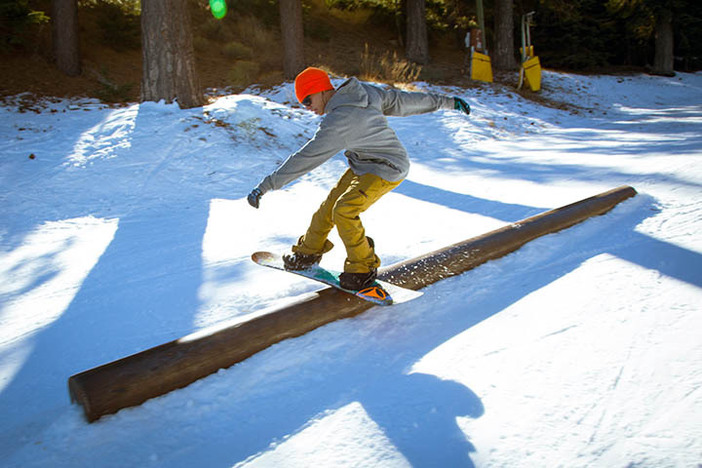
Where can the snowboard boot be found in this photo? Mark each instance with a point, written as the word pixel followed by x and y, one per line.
pixel 297 261
pixel 357 281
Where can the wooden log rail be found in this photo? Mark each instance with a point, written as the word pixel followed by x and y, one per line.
pixel 134 379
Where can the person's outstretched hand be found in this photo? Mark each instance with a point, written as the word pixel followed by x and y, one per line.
pixel 461 105
pixel 254 197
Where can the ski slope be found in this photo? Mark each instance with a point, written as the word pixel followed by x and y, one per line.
pixel 124 228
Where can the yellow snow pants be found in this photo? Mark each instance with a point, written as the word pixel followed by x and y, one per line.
pixel 351 196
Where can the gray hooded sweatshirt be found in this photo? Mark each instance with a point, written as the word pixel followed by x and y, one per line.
pixel 355 121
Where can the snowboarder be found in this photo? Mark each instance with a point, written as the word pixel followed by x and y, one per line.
pixel 353 120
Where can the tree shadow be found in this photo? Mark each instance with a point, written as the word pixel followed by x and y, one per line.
pixel 669 259
pixel 651 253
pixel 649 132
pixel 143 289
pixel 104 323
pixel 458 201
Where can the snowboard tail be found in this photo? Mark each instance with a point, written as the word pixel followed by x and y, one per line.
pixel 380 292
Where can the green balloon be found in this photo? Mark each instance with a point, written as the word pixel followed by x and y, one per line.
pixel 218 8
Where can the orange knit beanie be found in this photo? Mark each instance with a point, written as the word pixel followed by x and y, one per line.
pixel 311 80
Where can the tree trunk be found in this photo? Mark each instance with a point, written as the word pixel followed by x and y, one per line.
pixel 168 59
pixel 417 41
pixel 64 32
pixel 663 59
pixel 504 36
pixel 293 37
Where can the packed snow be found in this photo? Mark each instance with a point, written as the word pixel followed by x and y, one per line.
pixel 123 228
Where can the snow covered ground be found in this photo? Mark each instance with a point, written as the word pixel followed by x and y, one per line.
pixel 124 228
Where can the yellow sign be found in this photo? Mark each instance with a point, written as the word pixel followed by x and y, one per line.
pixel 532 72
pixel 480 67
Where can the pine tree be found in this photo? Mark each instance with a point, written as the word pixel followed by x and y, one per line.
pixel 293 37
pixel 417 41
pixel 64 33
pixel 504 35
pixel 168 58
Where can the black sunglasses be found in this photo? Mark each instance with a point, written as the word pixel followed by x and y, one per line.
pixel 307 102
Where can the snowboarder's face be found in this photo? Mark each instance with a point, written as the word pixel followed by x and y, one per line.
pixel 315 102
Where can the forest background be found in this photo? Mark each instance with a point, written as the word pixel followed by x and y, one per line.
pixel 365 38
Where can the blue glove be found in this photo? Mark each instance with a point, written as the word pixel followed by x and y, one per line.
pixel 461 105
pixel 254 197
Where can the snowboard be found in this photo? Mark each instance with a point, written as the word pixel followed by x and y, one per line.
pixel 380 292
